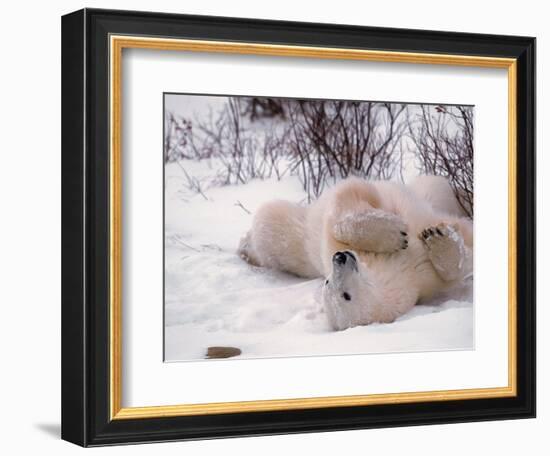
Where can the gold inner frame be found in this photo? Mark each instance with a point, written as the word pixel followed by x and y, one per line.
pixel 117 44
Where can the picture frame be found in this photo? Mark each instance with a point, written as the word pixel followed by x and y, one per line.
pixel 92 367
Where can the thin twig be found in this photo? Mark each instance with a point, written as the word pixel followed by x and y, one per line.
pixel 177 240
pixel 239 204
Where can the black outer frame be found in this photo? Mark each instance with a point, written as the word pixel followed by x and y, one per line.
pixel 85 227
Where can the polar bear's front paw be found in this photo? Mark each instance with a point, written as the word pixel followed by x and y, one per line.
pixel 373 231
pixel 446 250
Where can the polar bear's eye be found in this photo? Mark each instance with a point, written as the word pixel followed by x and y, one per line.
pixel 346 296
pixel 326 282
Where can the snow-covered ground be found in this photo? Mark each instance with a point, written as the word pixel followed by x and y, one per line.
pixel 213 298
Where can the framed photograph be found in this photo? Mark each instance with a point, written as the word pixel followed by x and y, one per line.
pixel 278 227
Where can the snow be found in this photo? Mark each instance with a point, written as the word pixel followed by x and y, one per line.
pixel 214 298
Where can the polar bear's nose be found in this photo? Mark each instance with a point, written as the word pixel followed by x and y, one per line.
pixel 339 258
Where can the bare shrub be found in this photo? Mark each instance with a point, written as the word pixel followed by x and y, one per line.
pixel 244 153
pixel 263 107
pixel 177 132
pixel 444 141
pixel 319 140
pixel 323 141
pixel 330 140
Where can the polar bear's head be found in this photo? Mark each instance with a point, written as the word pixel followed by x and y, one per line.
pixel 347 294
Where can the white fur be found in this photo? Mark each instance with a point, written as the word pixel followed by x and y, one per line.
pixel 406 243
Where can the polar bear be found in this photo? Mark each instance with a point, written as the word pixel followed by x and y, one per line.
pixel 381 246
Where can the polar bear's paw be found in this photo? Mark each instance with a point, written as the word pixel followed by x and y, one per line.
pixel 446 250
pixel 372 231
